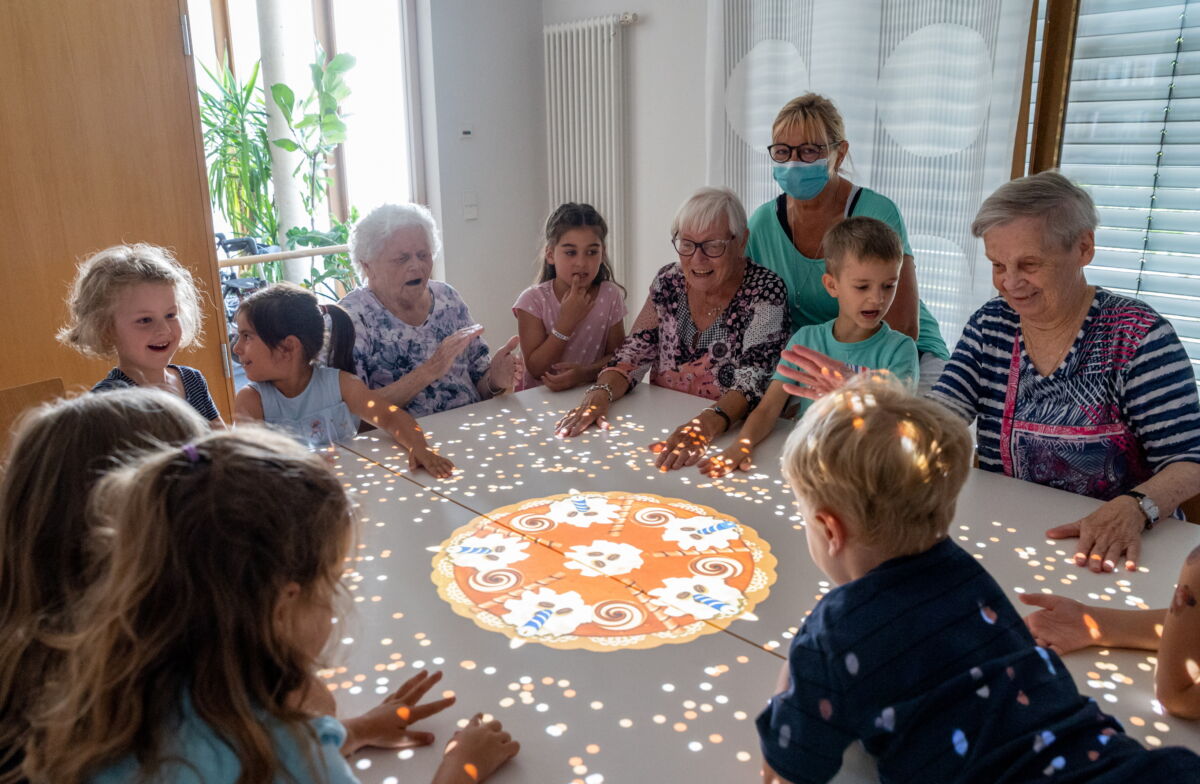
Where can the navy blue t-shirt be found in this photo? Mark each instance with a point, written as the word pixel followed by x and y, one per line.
pixel 926 662
pixel 195 388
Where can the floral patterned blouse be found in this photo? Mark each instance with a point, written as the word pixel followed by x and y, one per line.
pixel 386 348
pixel 739 351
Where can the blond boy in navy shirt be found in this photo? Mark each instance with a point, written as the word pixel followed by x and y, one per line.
pixel 918 653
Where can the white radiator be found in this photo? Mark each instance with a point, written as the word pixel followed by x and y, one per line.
pixel 585 122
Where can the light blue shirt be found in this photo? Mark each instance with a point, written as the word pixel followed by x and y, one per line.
pixel 317 416
pixel 887 350
pixel 197 756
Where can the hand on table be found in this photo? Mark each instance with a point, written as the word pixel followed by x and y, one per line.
pixel 1062 624
pixel 684 447
pixel 737 456
pixel 478 750
pixel 1108 536
pixel 564 375
pixel 449 349
pixel 503 369
pixel 387 725
pixel 817 375
pixel 591 411
pixel 424 457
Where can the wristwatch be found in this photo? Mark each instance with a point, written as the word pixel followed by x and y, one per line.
pixel 721 413
pixel 1148 507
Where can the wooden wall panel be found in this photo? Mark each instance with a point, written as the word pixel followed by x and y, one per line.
pixel 102 143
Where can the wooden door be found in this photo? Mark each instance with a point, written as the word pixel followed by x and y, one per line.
pixel 101 133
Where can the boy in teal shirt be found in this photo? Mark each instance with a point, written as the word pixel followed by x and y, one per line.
pixel 862 266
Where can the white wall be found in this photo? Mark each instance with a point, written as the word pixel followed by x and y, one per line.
pixel 666 120
pixel 481 68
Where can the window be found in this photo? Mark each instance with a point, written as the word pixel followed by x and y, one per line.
pixel 1132 139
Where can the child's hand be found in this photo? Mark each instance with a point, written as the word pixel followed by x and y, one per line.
pixel 738 456
pixel 1062 624
pixel 564 375
pixel 575 305
pixel 431 461
pixel 477 750
pixel 387 725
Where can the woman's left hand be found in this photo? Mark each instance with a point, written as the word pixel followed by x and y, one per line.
pixel 684 447
pixel 502 370
pixel 1110 535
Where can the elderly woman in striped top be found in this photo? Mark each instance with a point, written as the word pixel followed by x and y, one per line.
pixel 1070 385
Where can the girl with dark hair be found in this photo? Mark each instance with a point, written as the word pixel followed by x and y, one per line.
pixel 571 320
pixel 281 332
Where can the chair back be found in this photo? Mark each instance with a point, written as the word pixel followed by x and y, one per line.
pixel 16 400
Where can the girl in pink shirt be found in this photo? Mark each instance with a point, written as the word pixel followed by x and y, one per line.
pixel 571 320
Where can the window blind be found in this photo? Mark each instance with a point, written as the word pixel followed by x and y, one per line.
pixel 1132 139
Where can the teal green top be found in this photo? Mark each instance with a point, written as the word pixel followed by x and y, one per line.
pixel 887 350
pixel 808 301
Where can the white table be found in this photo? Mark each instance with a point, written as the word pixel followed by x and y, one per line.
pixel 675 712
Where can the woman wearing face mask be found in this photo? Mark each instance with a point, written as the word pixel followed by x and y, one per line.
pixel 808 147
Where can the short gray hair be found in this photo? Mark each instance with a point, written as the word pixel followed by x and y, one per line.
pixel 372 232
pixel 1065 209
pixel 703 207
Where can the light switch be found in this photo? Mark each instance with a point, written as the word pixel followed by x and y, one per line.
pixel 470 212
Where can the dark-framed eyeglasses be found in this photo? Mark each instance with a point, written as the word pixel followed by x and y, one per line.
pixel 714 249
pixel 782 153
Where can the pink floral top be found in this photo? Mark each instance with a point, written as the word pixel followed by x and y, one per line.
pixel 590 338
pixel 738 351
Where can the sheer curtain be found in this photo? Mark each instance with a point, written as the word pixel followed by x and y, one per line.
pixel 929 91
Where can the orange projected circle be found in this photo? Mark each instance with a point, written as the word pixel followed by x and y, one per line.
pixel 604 570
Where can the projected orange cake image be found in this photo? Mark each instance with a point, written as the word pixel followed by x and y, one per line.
pixel 604 571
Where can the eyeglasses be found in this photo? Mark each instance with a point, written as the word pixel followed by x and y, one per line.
pixel 714 249
pixel 782 153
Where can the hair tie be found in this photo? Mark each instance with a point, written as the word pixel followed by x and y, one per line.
pixel 190 452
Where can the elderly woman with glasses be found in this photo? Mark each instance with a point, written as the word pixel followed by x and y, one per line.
pixel 713 326
pixel 807 152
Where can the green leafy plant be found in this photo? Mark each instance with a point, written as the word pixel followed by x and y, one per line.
pixel 316 125
pixel 336 275
pixel 234 121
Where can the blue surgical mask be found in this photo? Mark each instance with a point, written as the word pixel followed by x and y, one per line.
pixel 802 180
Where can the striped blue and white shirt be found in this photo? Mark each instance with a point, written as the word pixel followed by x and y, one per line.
pixel 195 388
pixel 1121 406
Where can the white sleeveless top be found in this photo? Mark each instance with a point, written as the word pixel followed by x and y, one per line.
pixel 317 416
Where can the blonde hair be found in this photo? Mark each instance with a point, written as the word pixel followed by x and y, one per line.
pixel 59 450
pixel 890 462
pixel 206 538
pixel 102 277
pixel 866 239
pixel 810 113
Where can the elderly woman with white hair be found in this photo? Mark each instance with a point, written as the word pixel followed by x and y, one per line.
pixel 415 341
pixel 1069 385
pixel 713 326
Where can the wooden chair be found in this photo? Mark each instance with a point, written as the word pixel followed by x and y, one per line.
pixel 15 400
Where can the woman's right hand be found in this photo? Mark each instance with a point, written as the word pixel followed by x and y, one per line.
pixel 1061 624
pixel 817 375
pixel 591 411
pixel 448 350
pixel 476 752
